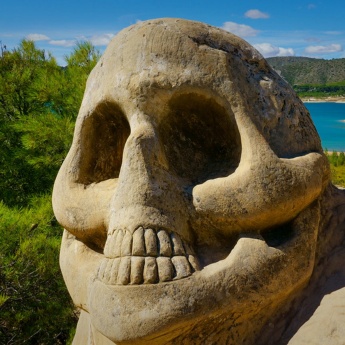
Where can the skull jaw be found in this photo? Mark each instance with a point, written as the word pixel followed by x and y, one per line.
pixel 225 290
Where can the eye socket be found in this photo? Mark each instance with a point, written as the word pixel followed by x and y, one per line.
pixel 201 140
pixel 102 140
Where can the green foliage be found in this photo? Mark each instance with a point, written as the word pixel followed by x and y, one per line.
pixel 341 159
pixel 336 158
pixel 45 140
pixel 302 70
pixel 337 162
pixel 84 57
pixel 35 307
pixel 39 102
pixel 23 76
pixel 79 65
pixel 309 77
pixel 32 150
pixel 338 175
pixel 311 90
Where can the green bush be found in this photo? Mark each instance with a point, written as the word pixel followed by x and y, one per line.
pixel 35 307
pixel 337 162
pixel 335 158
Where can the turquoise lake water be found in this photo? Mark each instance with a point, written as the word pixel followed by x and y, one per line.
pixel 329 120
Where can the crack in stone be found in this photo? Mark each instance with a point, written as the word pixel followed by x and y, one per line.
pixel 208 41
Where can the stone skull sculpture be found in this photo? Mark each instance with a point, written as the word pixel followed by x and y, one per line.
pixel 190 193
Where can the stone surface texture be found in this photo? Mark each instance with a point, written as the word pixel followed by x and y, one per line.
pixel 195 197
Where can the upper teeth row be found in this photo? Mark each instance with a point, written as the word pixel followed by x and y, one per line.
pixel 145 242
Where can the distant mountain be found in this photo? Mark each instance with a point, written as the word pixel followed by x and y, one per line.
pixel 303 70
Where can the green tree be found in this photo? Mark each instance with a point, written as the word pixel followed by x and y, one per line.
pixel 23 78
pixel 39 102
pixel 79 65
pixel 23 75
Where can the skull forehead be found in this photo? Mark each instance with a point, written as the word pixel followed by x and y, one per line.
pixel 170 46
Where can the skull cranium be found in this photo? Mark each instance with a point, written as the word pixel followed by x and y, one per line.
pixel 190 190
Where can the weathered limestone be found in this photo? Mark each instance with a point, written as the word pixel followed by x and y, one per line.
pixel 191 194
pixel 316 314
pixel 326 326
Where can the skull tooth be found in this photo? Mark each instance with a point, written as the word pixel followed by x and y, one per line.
pixel 138 246
pixel 112 232
pixel 116 250
pixel 194 262
pixel 114 271
pixel 123 277
pixel 189 250
pixel 164 243
pixel 137 269
pixel 126 246
pixel 102 268
pixel 165 269
pixel 110 244
pixel 181 266
pixel 107 270
pixel 177 244
pixel 151 242
pixel 107 246
pixel 150 270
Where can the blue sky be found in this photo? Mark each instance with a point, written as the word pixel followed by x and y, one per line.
pixel 314 28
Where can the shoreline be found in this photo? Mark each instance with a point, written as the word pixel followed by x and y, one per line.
pixel 330 99
pixel 330 152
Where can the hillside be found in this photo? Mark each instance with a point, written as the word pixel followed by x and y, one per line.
pixel 303 70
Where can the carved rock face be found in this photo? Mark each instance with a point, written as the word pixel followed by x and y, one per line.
pixel 189 194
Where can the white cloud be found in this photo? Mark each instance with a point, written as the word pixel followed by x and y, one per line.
pixel 332 48
pixel 96 40
pixel 239 29
pixel 101 40
pixel 256 14
pixel 37 37
pixel 269 50
pixel 286 52
pixel 62 43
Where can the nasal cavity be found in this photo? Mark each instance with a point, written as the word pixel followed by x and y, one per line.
pixel 103 136
pixel 201 138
